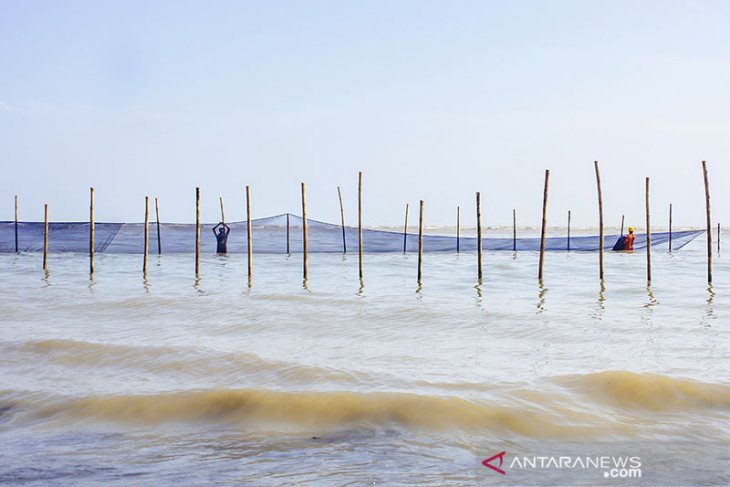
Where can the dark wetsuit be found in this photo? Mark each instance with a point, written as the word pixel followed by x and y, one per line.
pixel 222 238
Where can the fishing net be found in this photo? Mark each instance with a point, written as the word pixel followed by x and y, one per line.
pixel 281 234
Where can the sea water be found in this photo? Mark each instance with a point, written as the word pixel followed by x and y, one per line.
pixel 168 379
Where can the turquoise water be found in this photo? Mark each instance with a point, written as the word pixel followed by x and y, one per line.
pixel 168 379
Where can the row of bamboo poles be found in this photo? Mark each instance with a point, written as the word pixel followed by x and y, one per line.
pixel 305 249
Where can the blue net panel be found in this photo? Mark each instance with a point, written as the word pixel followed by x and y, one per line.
pixel 271 234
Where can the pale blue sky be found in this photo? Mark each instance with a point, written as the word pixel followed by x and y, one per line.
pixel 432 100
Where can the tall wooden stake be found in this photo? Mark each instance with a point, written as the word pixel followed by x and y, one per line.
pixel 458 228
pixel 544 225
pixel 288 252
pixel 249 238
pixel 45 238
pixel 648 235
pixel 157 217
pixel 514 230
pixel 405 230
pixel 420 242
pixel 718 238
pixel 568 229
pixel 670 227
pixel 342 218
pixel 709 222
pixel 305 243
pixel 197 231
pixel 600 221
pixel 479 237
pixel 146 233
pixel 92 246
pixel 16 225
pixel 622 224
pixel 223 213
pixel 359 221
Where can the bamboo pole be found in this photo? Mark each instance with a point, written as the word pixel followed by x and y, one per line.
pixel 709 222
pixel 514 230
pixel 45 238
pixel 359 221
pixel 157 217
pixel 568 229
pixel 458 227
pixel 420 242
pixel 197 231
pixel 287 235
pixel 622 224
pixel 16 224
pixel 304 231
pixel 405 230
pixel 670 227
pixel 648 236
pixel 600 220
pixel 342 218
pixel 718 238
pixel 479 237
pixel 223 213
pixel 249 237
pixel 92 245
pixel 146 233
pixel 544 225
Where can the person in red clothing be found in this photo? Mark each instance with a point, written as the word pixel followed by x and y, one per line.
pixel 629 242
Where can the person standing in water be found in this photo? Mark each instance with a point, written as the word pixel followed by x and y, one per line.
pixel 221 232
pixel 625 242
pixel 629 242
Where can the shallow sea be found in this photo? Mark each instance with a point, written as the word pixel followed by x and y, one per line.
pixel 172 380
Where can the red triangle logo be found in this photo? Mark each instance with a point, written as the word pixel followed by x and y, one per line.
pixel 487 463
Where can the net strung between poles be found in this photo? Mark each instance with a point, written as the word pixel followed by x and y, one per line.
pixel 270 237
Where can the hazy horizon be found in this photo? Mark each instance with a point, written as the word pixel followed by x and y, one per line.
pixel 431 100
